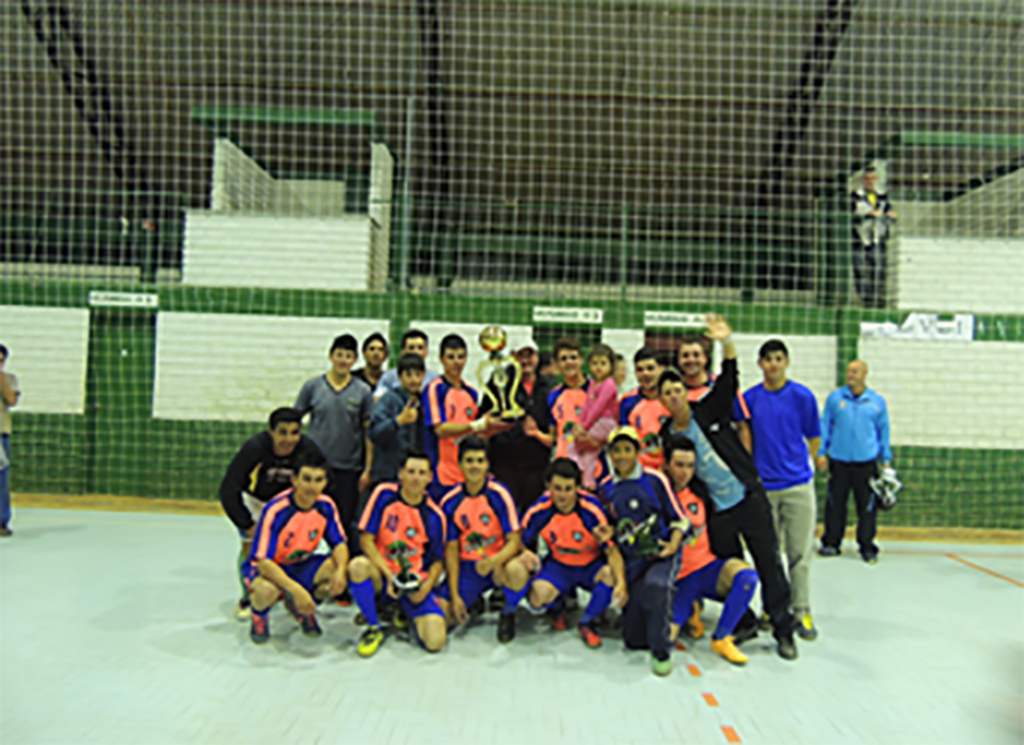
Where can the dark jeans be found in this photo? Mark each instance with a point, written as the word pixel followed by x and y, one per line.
pixel 752 519
pixel 842 478
pixel 647 615
pixel 343 489
pixel 525 481
pixel 869 273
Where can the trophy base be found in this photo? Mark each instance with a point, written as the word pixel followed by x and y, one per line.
pixel 511 416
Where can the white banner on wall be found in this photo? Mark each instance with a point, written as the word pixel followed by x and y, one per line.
pixel 49 351
pixel 239 368
pixel 939 394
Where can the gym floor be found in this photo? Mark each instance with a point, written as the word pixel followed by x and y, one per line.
pixel 118 628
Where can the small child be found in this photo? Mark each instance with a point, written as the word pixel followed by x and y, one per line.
pixel 598 415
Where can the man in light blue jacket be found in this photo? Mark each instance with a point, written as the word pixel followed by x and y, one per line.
pixel 854 438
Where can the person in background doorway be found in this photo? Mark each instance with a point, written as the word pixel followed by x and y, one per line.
pixel 9 395
pixel 872 215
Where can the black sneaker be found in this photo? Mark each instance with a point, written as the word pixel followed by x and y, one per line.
pixel 5 532
pixel 746 629
pixel 870 557
pixel 506 627
pixel 476 610
pixel 259 632
pixel 496 602
pixel 827 551
pixel 787 647
pixel 308 623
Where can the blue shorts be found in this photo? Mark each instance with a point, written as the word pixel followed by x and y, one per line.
pixel 693 587
pixel 415 610
pixel 471 584
pixel 302 572
pixel 564 577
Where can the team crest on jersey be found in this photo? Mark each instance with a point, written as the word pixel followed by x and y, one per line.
pixel 842 404
pixel 692 507
pixel 485 519
pixel 651 444
pixel 313 534
pixel 577 536
pixel 410 532
pixel 634 504
pixel 469 412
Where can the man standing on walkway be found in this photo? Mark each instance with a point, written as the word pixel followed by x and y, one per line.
pixel 786 432
pixel 855 437
pixel 9 394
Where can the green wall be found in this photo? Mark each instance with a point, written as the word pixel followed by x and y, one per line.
pixel 117 448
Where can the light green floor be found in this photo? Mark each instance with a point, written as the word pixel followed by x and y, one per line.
pixel 117 628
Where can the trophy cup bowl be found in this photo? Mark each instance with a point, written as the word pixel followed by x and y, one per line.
pixel 493 339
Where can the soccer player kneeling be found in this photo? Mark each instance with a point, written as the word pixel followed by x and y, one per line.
pixel 483 537
pixel 567 520
pixel 282 562
pixel 702 575
pixel 402 537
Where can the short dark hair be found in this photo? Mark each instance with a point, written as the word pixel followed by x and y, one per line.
pixel 470 444
pixel 375 336
pixel 772 345
pixel 602 350
pixel 345 341
pixel 409 362
pixel 645 353
pixel 670 375
pixel 310 459
pixel 694 337
pixel 284 414
pixel 567 342
pixel 677 442
pixel 564 467
pixel 417 455
pixel 3 351
pixel 414 334
pixel 452 341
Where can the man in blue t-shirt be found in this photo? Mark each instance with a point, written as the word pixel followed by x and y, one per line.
pixel 786 433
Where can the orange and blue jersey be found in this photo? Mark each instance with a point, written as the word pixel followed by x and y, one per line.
pixel 565 405
pixel 401 530
pixel 444 402
pixel 645 415
pixel 288 535
pixel 697 553
pixel 480 523
pixel 569 537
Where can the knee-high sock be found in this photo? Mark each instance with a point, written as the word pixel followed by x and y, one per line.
pixel 366 598
pixel 599 600
pixel 513 598
pixel 736 603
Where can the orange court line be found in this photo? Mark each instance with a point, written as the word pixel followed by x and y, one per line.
pixel 730 734
pixel 694 670
pixel 710 699
pixel 980 568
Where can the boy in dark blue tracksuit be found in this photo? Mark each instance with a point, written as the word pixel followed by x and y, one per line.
pixel 649 528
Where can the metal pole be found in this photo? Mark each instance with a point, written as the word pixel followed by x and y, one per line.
pixel 410 107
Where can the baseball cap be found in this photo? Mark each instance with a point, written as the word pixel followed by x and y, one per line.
pixel 624 432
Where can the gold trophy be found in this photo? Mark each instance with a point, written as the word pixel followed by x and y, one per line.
pixel 506 374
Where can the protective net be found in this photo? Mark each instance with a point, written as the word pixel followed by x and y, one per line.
pixel 197 196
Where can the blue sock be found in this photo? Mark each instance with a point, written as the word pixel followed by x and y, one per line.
pixel 261 613
pixel 599 600
pixel 366 598
pixel 512 599
pixel 743 586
